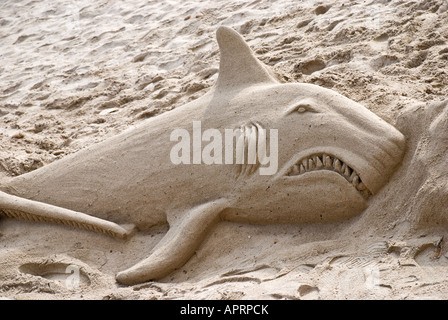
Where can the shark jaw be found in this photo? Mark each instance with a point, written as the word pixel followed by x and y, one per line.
pixel 319 162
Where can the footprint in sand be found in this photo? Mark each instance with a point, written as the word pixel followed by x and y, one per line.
pixel 70 275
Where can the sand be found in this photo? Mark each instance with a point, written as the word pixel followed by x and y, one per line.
pixel 74 73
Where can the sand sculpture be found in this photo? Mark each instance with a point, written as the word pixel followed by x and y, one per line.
pixel 332 155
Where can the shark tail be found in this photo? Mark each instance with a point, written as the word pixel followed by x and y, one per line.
pixel 24 209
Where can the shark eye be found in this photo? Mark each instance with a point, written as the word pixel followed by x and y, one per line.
pixel 303 108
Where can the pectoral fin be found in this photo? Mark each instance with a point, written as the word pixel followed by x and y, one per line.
pixel 178 245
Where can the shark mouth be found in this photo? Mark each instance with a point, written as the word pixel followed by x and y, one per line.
pixel 318 162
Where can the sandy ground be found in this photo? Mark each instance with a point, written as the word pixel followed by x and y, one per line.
pixel 73 73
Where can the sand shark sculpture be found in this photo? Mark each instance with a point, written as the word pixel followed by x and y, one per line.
pixel 333 155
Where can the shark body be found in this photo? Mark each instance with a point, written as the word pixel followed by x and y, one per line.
pixel 333 155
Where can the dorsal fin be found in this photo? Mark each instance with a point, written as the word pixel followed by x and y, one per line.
pixel 238 65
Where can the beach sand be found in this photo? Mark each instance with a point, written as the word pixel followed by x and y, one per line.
pixel 73 73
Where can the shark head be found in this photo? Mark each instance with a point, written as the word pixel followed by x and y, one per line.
pixel 333 153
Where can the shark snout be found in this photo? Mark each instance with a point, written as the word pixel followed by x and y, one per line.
pixel 396 145
pixel 392 144
pixel 385 155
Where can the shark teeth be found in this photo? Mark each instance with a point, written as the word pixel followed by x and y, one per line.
pixel 319 162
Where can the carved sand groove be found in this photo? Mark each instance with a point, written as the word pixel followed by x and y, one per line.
pixel 233 279
pixel 239 272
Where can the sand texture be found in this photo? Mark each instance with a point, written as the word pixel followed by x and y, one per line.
pixel 73 73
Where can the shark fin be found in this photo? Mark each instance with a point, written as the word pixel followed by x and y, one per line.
pixel 177 246
pixel 238 65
